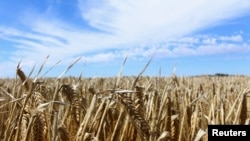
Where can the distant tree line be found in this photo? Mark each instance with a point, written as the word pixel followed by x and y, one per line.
pixel 217 75
pixel 221 74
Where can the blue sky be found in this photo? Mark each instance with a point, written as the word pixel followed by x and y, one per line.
pixel 197 36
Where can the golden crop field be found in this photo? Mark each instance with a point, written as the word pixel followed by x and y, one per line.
pixel 121 108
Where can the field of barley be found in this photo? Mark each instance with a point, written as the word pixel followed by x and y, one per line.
pixel 122 108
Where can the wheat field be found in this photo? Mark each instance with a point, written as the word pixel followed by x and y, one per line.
pixel 122 108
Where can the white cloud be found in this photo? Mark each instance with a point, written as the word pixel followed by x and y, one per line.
pixel 195 46
pixel 236 38
pixel 102 57
pixel 154 20
pixel 209 41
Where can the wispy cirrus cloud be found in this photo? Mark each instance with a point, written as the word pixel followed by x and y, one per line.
pixel 158 19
